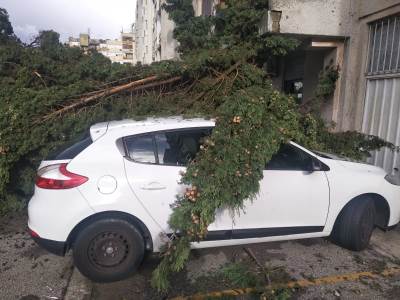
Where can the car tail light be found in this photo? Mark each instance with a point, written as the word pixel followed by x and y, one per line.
pixel 33 233
pixel 57 177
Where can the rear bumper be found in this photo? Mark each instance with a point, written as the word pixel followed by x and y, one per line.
pixel 55 247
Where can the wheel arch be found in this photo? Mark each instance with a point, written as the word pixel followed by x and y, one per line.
pixel 116 215
pixel 382 208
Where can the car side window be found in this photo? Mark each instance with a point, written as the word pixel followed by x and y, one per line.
pixel 141 148
pixel 291 158
pixel 177 147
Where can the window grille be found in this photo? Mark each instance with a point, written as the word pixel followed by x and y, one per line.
pixel 384 46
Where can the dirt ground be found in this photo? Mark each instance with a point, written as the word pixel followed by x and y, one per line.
pixel 27 272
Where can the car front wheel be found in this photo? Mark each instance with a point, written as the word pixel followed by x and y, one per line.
pixel 108 250
pixel 354 225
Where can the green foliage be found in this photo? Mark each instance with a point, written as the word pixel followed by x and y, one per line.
pixel 6 30
pixel 240 276
pixel 327 83
pixel 34 80
pixel 277 45
pixel 192 33
pixel 252 120
pixel 49 43
pixel 237 21
pixel 351 144
pixel 222 77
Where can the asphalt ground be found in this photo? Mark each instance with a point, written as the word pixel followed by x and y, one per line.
pixel 27 271
pixel 307 269
pixel 330 271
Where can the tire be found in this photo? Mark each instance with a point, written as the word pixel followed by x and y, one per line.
pixel 108 250
pixel 354 225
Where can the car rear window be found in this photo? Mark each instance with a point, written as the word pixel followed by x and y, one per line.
pixel 71 151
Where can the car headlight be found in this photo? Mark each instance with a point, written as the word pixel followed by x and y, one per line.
pixel 393 179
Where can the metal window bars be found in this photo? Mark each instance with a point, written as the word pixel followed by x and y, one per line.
pixel 384 46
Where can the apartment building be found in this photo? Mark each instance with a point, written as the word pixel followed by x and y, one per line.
pixel 120 50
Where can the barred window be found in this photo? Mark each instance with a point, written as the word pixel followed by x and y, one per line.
pixel 384 46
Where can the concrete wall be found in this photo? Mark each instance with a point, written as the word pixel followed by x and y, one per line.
pixel 314 17
pixel 368 7
pixel 351 106
pixel 145 30
pixel 167 42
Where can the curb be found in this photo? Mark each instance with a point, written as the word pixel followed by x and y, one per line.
pixel 79 287
pixel 296 284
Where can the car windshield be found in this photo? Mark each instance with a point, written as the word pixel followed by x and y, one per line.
pixel 331 156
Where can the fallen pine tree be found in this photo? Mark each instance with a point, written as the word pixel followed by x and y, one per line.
pixel 221 74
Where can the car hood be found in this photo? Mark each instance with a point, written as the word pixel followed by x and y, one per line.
pixel 362 167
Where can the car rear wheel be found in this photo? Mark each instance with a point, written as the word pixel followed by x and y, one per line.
pixel 354 225
pixel 108 250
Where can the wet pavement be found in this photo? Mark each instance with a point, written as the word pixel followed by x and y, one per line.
pixel 28 272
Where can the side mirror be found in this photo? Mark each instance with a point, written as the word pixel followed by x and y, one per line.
pixel 315 165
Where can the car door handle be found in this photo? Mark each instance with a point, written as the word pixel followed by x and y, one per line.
pixel 153 186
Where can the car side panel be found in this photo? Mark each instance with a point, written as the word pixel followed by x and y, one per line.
pixel 392 195
pixel 54 213
pixel 105 160
pixel 347 183
pixel 235 242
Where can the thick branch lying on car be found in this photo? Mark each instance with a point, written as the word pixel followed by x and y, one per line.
pixel 132 86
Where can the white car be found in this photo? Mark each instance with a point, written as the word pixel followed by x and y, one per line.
pixel 108 197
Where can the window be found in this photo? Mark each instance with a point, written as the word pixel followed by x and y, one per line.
pixel 179 147
pixel 174 148
pixel 69 152
pixel 141 148
pixel 290 158
pixel 384 46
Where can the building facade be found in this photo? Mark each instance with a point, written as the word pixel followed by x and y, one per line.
pixel 362 38
pixel 120 50
pixel 359 37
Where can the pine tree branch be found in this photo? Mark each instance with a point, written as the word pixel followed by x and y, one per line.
pixel 133 86
pixel 218 80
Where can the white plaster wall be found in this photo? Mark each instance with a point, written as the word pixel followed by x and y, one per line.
pixel 167 42
pixel 314 17
pixel 146 30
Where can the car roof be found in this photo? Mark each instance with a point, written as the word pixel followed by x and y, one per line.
pixel 130 126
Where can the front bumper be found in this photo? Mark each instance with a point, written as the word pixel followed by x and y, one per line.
pixel 55 247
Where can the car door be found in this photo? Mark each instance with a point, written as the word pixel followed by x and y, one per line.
pixel 292 199
pixel 153 164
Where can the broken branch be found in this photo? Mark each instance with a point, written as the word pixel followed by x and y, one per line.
pixel 134 85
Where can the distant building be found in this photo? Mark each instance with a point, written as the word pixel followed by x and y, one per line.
pixel 112 49
pixel 120 50
pixel 73 42
pixel 84 40
pixel 129 46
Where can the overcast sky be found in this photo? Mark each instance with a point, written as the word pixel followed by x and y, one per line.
pixel 105 18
